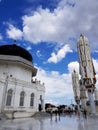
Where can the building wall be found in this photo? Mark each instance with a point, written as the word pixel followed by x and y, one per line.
pixel 17 88
pixel 16 70
pixel 17 77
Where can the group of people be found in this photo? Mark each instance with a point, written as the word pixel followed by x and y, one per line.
pixel 57 113
pixel 79 112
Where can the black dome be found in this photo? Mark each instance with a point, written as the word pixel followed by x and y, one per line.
pixel 15 51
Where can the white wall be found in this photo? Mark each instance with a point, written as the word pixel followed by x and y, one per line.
pixel 17 71
pixel 19 79
pixel 28 89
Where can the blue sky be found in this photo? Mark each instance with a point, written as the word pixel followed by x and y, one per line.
pixel 49 30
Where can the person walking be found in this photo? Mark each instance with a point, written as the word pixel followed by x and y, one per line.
pixel 78 113
pixel 51 113
pixel 85 113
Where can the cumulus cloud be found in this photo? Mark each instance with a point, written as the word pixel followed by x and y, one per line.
pixel 58 86
pixel 60 54
pixel 40 26
pixel 48 26
pixel 63 22
pixel 73 66
pixel 14 32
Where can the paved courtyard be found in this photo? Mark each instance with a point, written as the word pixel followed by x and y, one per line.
pixel 48 123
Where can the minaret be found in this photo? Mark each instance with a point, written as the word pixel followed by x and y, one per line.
pixel 76 88
pixel 86 69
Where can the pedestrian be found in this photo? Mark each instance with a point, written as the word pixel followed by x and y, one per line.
pixel 59 113
pixel 85 113
pixel 51 113
pixel 56 112
pixel 78 113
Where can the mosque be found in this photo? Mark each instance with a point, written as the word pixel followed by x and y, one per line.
pixel 20 94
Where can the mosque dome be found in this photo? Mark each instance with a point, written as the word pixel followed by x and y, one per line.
pixel 15 50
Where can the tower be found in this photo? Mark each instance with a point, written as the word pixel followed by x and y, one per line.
pixel 76 88
pixel 86 69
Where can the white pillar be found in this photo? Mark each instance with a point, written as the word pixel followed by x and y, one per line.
pixel 96 94
pixel 92 103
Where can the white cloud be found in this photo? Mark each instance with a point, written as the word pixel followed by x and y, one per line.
pixel 29 48
pixel 96 51
pixel 14 32
pixel 58 86
pixel 40 26
pixel 60 54
pixel 95 61
pixel 61 24
pixel 64 22
pixel 95 65
pixel 73 66
pixel 38 53
pixel 44 25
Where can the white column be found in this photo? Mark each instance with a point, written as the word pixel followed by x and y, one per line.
pixel 96 94
pixel 92 103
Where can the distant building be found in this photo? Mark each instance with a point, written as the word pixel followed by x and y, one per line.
pixel 20 96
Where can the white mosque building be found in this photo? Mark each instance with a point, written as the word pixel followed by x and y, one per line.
pixel 20 96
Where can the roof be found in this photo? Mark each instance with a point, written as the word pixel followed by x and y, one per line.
pixel 15 50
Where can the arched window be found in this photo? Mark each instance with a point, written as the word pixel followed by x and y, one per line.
pixel 9 97
pixel 22 96
pixel 32 100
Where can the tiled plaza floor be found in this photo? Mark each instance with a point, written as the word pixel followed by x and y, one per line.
pixel 48 123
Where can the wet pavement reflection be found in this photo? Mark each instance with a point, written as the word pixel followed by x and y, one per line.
pixel 50 123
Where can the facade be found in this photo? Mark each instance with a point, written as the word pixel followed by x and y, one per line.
pixel 20 96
